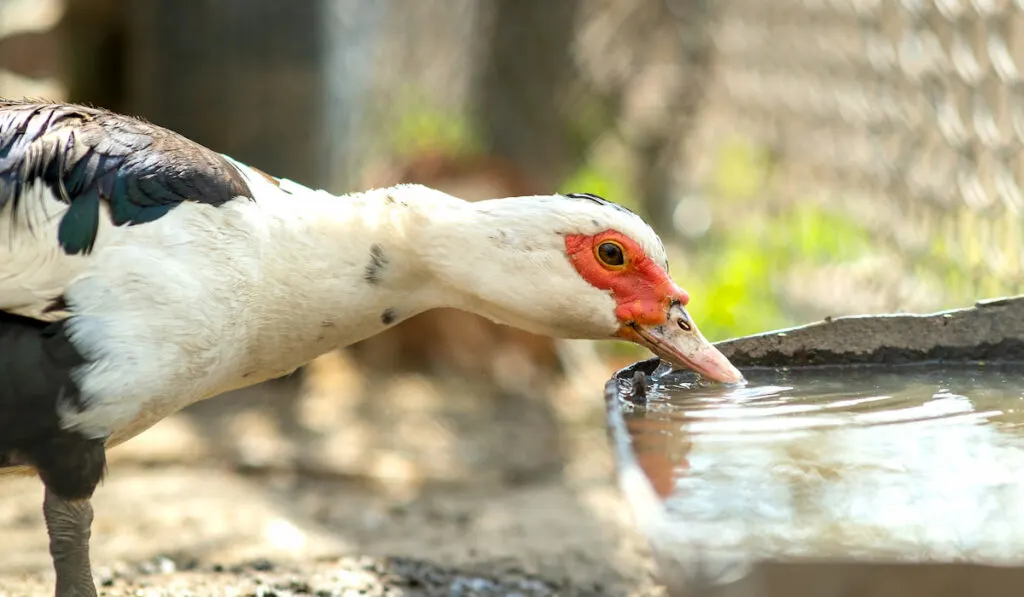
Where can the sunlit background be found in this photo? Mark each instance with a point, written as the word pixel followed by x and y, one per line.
pixel 801 158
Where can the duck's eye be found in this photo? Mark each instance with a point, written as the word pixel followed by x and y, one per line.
pixel 611 254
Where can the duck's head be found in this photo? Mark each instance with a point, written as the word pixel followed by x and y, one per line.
pixel 572 266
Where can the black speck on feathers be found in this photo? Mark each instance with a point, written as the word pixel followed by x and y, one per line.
pixel 56 305
pixel 500 238
pixel 378 262
pixel 599 200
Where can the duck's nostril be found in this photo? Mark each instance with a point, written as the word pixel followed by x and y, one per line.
pixel 683 324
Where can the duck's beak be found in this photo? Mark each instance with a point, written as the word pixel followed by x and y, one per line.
pixel 678 341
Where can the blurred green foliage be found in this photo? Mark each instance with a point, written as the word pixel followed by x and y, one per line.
pixel 733 277
pixel 419 126
pixel 740 171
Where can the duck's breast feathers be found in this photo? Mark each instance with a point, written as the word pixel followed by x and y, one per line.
pixel 88 158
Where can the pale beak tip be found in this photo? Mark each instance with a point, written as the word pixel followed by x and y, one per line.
pixel 732 375
pixel 722 371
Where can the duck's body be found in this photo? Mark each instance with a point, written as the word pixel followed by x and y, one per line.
pixel 207 299
pixel 141 272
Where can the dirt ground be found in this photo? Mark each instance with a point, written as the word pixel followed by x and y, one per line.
pixel 332 484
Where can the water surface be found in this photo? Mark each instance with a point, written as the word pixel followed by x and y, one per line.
pixel 906 462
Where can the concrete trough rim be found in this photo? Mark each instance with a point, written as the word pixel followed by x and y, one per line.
pixel 991 331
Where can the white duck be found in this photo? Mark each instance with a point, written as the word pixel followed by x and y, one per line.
pixel 141 272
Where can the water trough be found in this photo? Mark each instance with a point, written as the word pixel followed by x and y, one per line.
pixel 864 488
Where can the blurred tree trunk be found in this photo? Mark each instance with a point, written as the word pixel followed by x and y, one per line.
pixel 273 84
pixel 526 69
pixel 93 53
pixel 244 77
pixel 663 152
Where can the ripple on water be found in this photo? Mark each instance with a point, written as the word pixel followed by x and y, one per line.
pixel 909 462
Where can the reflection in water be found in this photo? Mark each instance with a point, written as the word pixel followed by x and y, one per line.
pixel 660 450
pixel 911 462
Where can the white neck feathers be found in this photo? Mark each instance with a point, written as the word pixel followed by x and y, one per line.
pixel 338 269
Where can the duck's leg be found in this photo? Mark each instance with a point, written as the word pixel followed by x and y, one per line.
pixel 71 466
pixel 69 524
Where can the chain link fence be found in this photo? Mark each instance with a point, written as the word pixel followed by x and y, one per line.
pixel 904 116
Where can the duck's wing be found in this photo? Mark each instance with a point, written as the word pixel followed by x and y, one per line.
pixel 72 176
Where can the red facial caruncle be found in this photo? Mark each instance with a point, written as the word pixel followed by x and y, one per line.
pixel 642 290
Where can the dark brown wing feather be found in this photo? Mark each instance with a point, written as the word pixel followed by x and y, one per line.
pixel 88 155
